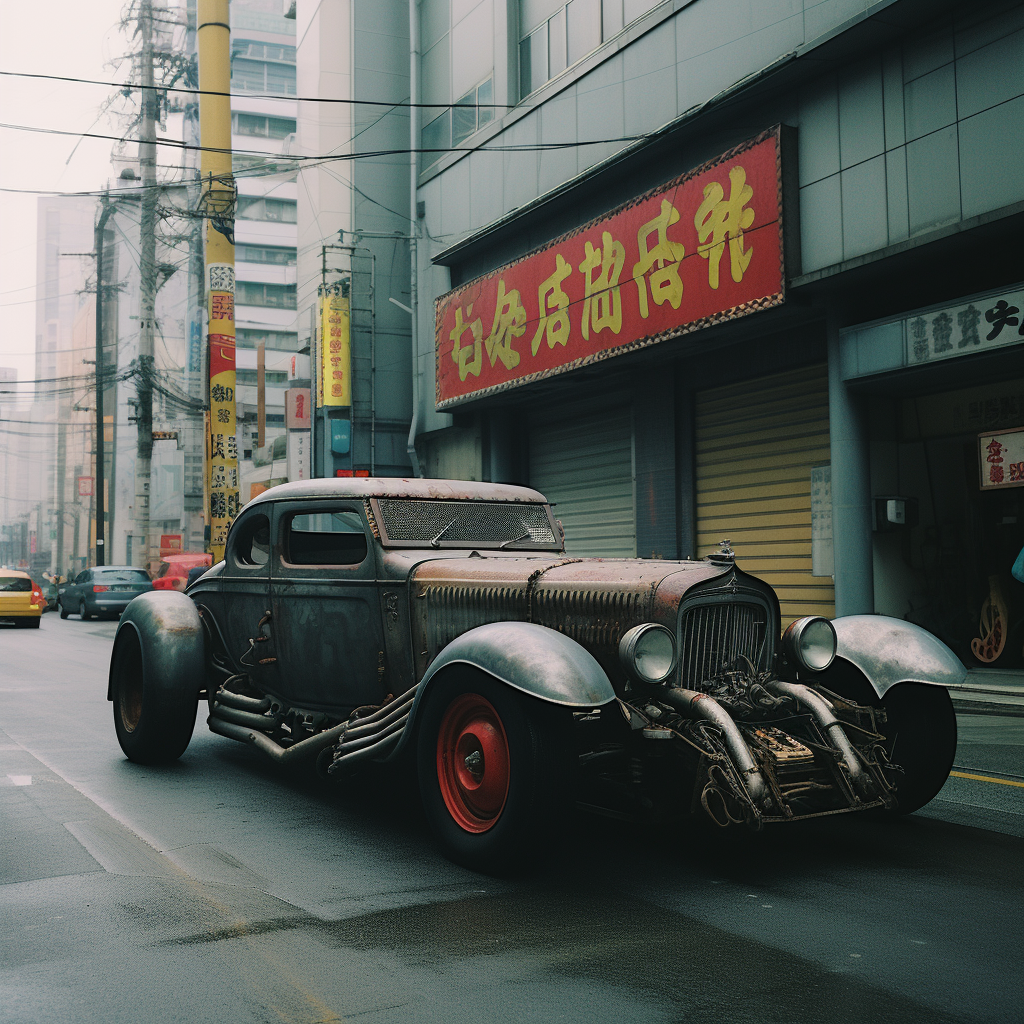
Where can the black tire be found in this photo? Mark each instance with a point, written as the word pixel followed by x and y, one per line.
pixel 153 727
pixel 493 839
pixel 82 613
pixel 34 624
pixel 920 733
pixel 63 611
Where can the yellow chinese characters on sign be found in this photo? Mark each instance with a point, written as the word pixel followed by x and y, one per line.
pixel 700 249
pixel 334 386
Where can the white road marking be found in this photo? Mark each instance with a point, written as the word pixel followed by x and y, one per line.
pixel 20 780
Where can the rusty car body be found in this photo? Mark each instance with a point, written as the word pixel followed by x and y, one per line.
pixel 442 624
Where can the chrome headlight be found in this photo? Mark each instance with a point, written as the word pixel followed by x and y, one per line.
pixel 810 642
pixel 648 653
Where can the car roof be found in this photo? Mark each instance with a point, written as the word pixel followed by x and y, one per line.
pixel 118 568
pixel 15 572
pixel 397 487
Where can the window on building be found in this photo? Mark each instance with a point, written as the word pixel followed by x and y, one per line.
pixel 261 208
pixel 276 255
pixel 262 127
pixel 571 32
pixel 568 35
pixel 277 377
pixel 437 135
pixel 472 111
pixel 283 340
pixel 258 293
pixel 262 51
pixel 261 76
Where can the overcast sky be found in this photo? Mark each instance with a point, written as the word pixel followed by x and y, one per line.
pixel 56 37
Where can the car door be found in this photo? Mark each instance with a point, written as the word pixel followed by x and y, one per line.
pixel 241 599
pixel 72 595
pixel 326 608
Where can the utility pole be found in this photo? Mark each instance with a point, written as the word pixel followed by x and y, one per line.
pixel 214 38
pixel 106 209
pixel 147 292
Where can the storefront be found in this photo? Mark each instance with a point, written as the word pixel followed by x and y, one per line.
pixel 943 390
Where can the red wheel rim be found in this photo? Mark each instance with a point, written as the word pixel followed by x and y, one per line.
pixel 473 762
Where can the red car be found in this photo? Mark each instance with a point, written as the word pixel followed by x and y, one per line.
pixel 174 569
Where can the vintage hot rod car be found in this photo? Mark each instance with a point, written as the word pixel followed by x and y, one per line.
pixel 441 624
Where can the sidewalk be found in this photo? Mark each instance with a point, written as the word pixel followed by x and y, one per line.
pixel 990 690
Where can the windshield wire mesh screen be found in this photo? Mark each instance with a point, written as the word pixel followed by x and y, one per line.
pixel 478 522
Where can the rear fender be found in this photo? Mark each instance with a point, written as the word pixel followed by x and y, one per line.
pixel 887 651
pixel 170 634
pixel 533 659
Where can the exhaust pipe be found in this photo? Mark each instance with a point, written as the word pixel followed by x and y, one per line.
pixel 700 705
pixel 822 714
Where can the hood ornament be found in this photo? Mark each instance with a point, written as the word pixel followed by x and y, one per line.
pixel 724 555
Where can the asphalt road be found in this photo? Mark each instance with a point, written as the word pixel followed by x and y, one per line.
pixel 223 889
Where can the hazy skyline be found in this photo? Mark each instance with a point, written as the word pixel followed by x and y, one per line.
pixel 80 41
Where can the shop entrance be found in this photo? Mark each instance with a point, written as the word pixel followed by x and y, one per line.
pixel 948 567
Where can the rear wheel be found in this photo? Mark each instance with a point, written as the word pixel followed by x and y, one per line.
pixel 495 770
pixel 82 613
pixel 153 725
pixel 34 623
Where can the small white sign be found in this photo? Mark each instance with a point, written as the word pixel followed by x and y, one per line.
pixel 298 455
pixel 974 326
pixel 822 557
pixel 1002 459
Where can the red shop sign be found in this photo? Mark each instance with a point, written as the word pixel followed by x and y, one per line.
pixel 699 250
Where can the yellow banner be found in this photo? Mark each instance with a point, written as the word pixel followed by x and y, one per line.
pixel 334 384
pixel 223 463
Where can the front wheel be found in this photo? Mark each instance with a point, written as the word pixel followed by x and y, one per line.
pixel 63 611
pixel 153 723
pixel 495 770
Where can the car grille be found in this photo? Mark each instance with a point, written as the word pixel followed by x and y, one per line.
pixel 716 635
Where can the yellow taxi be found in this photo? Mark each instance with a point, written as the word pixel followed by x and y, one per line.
pixel 21 600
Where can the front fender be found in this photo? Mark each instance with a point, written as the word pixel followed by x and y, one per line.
pixel 533 659
pixel 170 635
pixel 888 651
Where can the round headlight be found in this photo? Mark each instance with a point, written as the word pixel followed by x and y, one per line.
pixel 811 642
pixel 648 653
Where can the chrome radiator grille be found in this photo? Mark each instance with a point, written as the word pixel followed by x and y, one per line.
pixel 715 635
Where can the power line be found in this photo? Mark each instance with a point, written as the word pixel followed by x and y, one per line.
pixel 538 147
pixel 187 90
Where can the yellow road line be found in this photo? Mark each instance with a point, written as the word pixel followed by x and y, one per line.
pixel 986 778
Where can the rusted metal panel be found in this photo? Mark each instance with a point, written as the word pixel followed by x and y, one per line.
pixel 397 487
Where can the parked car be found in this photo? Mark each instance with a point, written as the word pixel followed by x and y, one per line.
pixel 21 599
pixel 103 590
pixel 442 625
pixel 175 570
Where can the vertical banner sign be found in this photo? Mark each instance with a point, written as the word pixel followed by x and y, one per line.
pixel 213 36
pixel 224 501
pixel 334 383
pixel 699 250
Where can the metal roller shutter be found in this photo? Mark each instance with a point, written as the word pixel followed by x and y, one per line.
pixel 585 465
pixel 755 445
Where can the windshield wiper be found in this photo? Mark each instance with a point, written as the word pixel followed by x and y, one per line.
pixel 515 540
pixel 451 522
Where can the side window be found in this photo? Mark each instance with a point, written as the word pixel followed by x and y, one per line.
pixel 325 538
pixel 251 544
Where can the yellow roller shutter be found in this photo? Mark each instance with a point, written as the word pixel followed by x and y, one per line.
pixel 755 445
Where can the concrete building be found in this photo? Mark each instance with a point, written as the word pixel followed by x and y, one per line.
pixel 262 136
pixel 850 420
pixel 354 224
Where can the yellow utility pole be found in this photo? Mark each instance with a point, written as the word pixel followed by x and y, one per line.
pixel 214 39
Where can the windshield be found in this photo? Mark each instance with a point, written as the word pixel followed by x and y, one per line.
pixel 485 524
pixel 122 575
